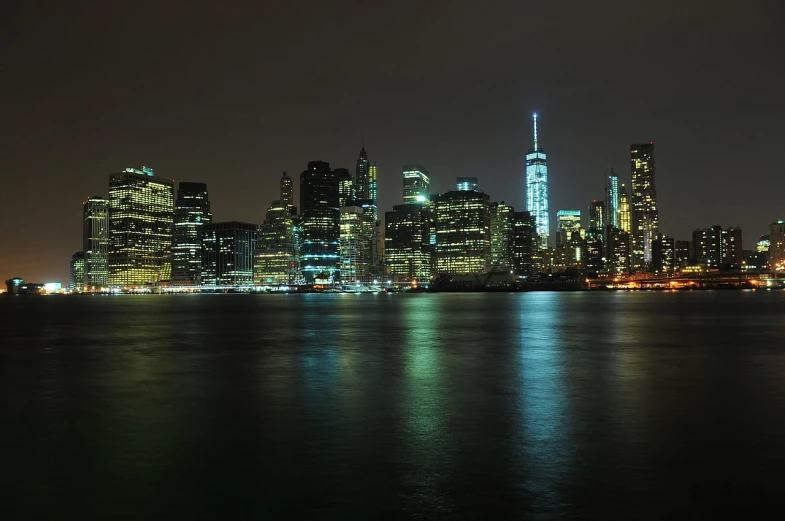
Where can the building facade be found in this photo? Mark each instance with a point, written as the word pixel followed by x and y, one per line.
pixel 76 272
pixel 664 254
pixel 276 259
pixel 141 217
pixel 618 254
pixel 717 247
pixel 777 245
pixel 319 224
pixel 228 254
pixel 357 229
pixel 501 228
pixel 645 214
pixel 537 189
pixel 463 236
pixel 191 214
pixel 408 252
pixel 524 243
pixel 625 210
pixel 612 199
pixel 95 242
pixel 467 183
pixel 416 184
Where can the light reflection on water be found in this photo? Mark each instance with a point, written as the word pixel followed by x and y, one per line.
pixel 424 406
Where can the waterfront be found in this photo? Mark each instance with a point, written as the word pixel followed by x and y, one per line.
pixel 460 406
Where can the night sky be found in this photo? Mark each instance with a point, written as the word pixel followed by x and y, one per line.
pixel 234 95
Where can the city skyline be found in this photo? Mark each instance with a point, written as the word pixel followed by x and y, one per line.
pixel 214 119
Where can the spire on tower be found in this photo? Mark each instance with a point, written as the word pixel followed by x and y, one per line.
pixel 535 131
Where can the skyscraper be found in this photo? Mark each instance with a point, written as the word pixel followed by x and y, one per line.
pixel 76 272
pixel 227 254
pixel 407 248
pixel 663 254
pixel 597 216
pixel 319 223
pixel 625 212
pixel 501 226
pixel 95 242
pixel 645 216
pixel 141 214
pixel 355 247
pixel 524 243
pixel 612 199
pixel 362 176
pixel 537 188
pixel 618 254
pixel 467 183
pixel 567 223
pixel 345 186
pixel 462 221
pixel 191 214
pixel 276 257
pixel 777 245
pixel 416 184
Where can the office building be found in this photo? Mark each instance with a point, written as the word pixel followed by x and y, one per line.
pixel 524 244
pixel 567 222
pixel 612 199
pixel 357 227
pixel 537 189
pixel 346 192
pixel 777 245
pixel 77 272
pixel 597 216
pixel 663 254
pixel 407 242
pixel 501 228
pixel 717 247
pixel 625 211
pixel 319 223
pixel 594 251
pixel 463 242
pixel 95 242
pixel 645 215
pixel 228 254
pixel 287 190
pixel 141 216
pixel 276 257
pixel 682 253
pixel 362 176
pixel 416 184
pixel 467 183
pixel 618 254
pixel 191 214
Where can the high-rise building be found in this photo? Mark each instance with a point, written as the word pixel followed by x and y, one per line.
pixel 227 253
pixel 594 251
pixel 362 176
pixel 537 188
pixel 407 244
pixel 95 242
pixel 597 216
pixel 76 272
pixel 625 211
pixel 191 214
pixel 416 184
pixel 663 254
pixel 762 251
pixel 287 190
pixel 463 238
pixel 501 227
pixel 372 192
pixel 717 247
pixel 618 254
pixel 777 245
pixel 524 243
pixel 276 256
pixel 319 223
pixel 612 199
pixel 356 241
pixel 567 222
pixel 346 192
pixel 645 215
pixel 682 252
pixel 467 183
pixel 141 215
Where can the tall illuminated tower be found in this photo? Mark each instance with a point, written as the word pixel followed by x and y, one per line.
pixel 612 199
pixel 625 213
pixel 537 189
pixel 287 190
pixel 362 175
pixel 141 215
pixel 191 214
pixel 416 184
pixel 645 216
pixel 95 242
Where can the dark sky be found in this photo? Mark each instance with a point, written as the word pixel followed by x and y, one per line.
pixel 232 95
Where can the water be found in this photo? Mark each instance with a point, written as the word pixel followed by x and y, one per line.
pixel 428 406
